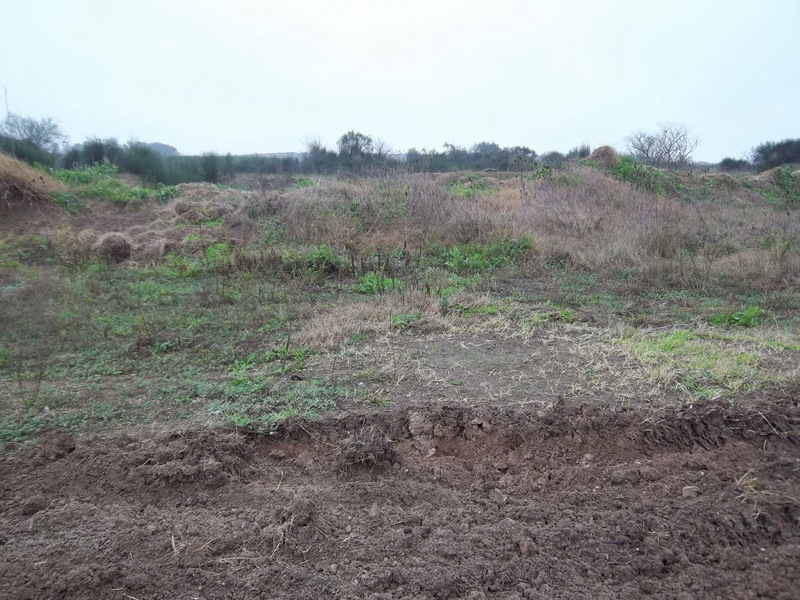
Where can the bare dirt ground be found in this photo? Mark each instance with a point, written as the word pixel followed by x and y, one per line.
pixel 419 502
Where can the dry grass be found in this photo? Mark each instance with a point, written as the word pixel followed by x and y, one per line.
pixel 590 220
pixel 330 329
pixel 584 216
pixel 73 247
pixel 22 184
pixel 750 491
pixel 367 449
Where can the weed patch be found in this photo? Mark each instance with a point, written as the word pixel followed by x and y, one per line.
pixel 476 258
pixel 700 363
pixel 744 318
pixel 472 185
pixel 97 181
pixel 304 398
pixel 640 176
pixel 404 322
pixel 377 283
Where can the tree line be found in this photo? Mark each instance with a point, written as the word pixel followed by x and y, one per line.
pixel 43 141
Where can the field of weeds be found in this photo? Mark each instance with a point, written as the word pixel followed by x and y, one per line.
pixel 303 296
pixel 579 383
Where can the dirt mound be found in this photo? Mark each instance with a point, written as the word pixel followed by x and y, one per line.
pixel 21 183
pixel 147 231
pixel 198 212
pixel 26 197
pixel 434 503
pixel 604 156
pixel 113 247
pixel 771 176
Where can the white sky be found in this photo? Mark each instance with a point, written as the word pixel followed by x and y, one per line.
pixel 246 76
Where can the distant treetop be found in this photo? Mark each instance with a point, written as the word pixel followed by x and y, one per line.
pixel 163 149
pixel 774 154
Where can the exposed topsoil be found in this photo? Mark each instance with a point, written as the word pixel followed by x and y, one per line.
pixel 429 502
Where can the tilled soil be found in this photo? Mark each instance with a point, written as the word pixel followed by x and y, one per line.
pixel 427 502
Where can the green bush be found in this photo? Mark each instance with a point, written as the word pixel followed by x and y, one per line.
pixel 788 185
pixel 318 259
pixel 733 164
pixel 639 176
pixel 143 161
pixel 165 193
pixel 26 151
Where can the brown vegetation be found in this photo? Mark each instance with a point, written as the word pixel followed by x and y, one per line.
pixel 582 216
pixel 604 156
pixel 113 247
pixel 26 197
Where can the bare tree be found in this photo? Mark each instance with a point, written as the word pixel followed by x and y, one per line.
pixel 382 149
pixel 676 145
pixel 642 145
pixel 671 146
pixel 45 134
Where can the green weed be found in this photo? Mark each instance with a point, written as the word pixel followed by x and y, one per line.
pixel 18 428
pixel 744 318
pixel 165 193
pixel 488 309
pixel 404 322
pixel 788 185
pixel 68 201
pixel 471 186
pixel 699 364
pixel 477 258
pixel 317 259
pixel 377 283
pixel 97 181
pixel 213 222
pixel 640 176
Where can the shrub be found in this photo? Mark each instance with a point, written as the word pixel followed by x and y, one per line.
pixel 113 247
pixel 788 184
pixel 554 160
pixel 581 151
pixel 165 193
pixel 318 259
pixel 639 175
pixel 733 164
pixel 143 161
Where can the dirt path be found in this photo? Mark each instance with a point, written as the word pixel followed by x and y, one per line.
pixel 420 503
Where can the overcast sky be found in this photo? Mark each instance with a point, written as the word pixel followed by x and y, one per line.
pixel 248 76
